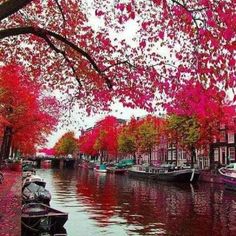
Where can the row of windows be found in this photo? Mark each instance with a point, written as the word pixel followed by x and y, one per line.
pixel 231 138
pixel 220 154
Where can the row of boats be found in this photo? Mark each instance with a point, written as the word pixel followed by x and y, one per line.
pixel 164 172
pixel 37 215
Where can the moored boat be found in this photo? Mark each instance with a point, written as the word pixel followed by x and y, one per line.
pixel 141 172
pixel 228 175
pixel 35 193
pixel 115 170
pixel 40 217
pixel 181 175
pixel 101 168
pixel 34 179
pixel 162 174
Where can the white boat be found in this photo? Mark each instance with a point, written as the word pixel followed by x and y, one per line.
pixel 100 168
pixel 34 179
pixel 228 175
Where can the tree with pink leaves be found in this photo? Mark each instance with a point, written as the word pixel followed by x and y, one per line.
pixel 173 40
pixel 101 139
pixel 195 115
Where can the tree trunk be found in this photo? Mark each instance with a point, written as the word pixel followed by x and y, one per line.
pixel 211 157
pixel 134 155
pixel 6 143
pixel 150 157
pixel 193 156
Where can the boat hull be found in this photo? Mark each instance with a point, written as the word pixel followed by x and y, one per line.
pixel 116 170
pixel 100 171
pixel 229 178
pixel 42 218
pixel 182 176
pixel 141 174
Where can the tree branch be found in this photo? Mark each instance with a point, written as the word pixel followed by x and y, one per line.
pixel 42 33
pixel 116 64
pixel 10 7
pixel 57 50
pixel 62 13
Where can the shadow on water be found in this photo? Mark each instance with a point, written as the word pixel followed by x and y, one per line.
pixel 60 232
pixel 108 204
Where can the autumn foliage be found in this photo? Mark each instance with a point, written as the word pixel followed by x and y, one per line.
pixel 196 114
pixel 101 139
pixel 111 139
pixel 67 144
pixel 169 43
pixel 27 115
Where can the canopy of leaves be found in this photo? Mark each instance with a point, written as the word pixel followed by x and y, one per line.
pixel 30 114
pixel 195 114
pixel 149 132
pixel 127 141
pixel 173 41
pixel 103 137
pixel 183 130
pixel 67 144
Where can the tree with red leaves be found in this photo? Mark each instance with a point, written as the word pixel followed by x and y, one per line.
pixel 101 140
pixel 87 142
pixel 173 41
pixel 106 141
pixel 30 116
pixel 195 115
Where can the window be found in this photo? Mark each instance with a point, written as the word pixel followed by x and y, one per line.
pixel 222 136
pixel 216 154
pixel 214 139
pixel 230 137
pixel 169 155
pixel 231 153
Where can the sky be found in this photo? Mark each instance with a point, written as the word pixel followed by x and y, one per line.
pixel 81 121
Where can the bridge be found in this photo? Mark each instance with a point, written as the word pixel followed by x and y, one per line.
pixel 55 161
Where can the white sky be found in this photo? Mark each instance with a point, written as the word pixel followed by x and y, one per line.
pixel 79 121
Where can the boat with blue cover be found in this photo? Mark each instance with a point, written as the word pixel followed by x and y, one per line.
pixel 101 168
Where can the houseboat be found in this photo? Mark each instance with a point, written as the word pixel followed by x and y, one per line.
pixel 165 174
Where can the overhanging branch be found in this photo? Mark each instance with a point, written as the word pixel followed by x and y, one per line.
pixel 10 7
pixel 42 33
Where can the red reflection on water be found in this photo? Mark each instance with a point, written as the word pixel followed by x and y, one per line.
pixel 159 207
pixel 46 164
pixel 99 194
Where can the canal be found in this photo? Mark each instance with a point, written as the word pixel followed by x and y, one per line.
pixel 108 204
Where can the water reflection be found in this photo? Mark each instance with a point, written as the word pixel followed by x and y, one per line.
pixel 106 204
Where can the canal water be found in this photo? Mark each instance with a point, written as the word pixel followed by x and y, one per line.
pixel 108 204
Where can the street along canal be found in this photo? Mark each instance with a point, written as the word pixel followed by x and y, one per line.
pixel 108 204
